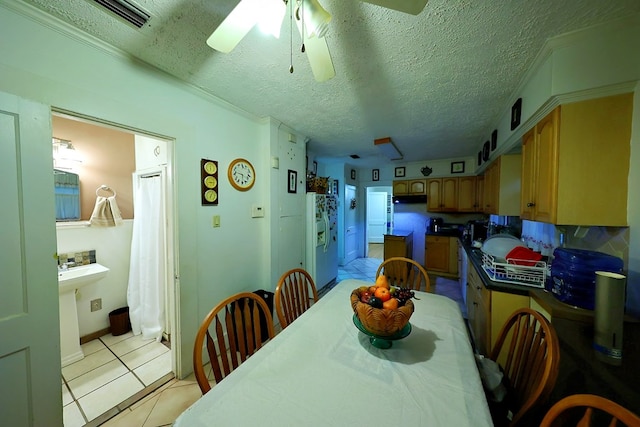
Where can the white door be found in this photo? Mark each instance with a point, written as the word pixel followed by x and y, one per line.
pixel 376 216
pixel 31 386
pixel 350 225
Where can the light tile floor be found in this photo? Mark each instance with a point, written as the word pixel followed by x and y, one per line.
pixel 115 372
pixel 163 406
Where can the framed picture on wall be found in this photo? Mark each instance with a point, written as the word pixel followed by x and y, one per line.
pixel 353 174
pixel 292 182
pixel 516 112
pixel 457 167
pixel 494 139
pixel 399 172
pixel 375 175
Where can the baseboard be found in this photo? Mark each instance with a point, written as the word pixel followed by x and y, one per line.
pixel 94 335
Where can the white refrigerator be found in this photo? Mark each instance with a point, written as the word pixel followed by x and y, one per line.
pixel 321 254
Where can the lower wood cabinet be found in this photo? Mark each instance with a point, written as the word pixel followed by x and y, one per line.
pixel 398 245
pixel 488 310
pixel 441 254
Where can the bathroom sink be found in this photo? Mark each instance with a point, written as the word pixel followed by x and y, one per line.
pixel 76 277
pixel 68 281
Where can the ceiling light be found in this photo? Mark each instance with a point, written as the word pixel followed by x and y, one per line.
pixel 271 16
pixel 314 17
pixel 65 155
pixel 388 148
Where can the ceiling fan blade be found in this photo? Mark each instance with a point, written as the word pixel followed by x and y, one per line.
pixel 412 7
pixel 235 26
pixel 319 57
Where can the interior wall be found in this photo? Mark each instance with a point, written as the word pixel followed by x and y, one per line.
pixel 108 157
pixel 212 261
pixel 113 250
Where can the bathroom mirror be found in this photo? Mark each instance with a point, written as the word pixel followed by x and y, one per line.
pixel 67 195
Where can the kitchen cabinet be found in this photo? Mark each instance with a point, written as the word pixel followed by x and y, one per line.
pixel 502 186
pixel 441 254
pixel 410 187
pixel 488 310
pixel 467 190
pixel 575 164
pixel 400 243
pixel 479 193
pixel 442 194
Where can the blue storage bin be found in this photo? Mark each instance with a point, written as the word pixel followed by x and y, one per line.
pixel 573 275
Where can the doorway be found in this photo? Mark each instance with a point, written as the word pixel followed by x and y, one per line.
pixel 350 224
pixel 134 365
pixel 379 216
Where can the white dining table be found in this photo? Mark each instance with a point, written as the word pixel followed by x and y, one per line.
pixel 322 371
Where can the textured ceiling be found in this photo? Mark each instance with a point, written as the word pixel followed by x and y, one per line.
pixel 436 83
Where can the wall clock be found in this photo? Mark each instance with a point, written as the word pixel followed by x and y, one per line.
pixel 241 174
pixel 209 182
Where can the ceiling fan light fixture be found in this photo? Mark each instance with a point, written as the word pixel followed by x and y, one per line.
pixel 316 18
pixel 271 16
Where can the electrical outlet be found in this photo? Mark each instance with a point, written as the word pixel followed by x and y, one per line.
pixel 96 304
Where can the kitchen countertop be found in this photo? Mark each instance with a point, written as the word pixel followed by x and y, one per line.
pixel 398 233
pixel 445 233
pixel 580 371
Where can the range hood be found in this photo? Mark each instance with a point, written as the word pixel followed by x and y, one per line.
pixel 417 198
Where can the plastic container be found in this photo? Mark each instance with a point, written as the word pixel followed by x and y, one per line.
pixel 119 321
pixel 573 276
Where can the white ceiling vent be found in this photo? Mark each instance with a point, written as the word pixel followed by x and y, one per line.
pixel 125 9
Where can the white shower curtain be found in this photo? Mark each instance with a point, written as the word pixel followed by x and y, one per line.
pixel 146 294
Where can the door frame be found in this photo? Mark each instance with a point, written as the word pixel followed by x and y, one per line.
pixel 171 223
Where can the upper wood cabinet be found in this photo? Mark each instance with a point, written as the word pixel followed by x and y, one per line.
pixel 467 190
pixel 410 187
pixel 575 164
pixel 479 193
pixel 442 195
pixel 502 186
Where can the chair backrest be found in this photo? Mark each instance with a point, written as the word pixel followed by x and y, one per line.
pixel 528 350
pixel 232 331
pixel 405 273
pixel 295 293
pixel 557 414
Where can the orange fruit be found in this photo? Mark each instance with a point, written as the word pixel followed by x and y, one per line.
pixel 390 304
pixel 382 280
pixel 382 293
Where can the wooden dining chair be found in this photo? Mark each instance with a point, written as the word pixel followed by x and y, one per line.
pixel 610 412
pixel 295 293
pixel 405 273
pixel 231 332
pixel 528 350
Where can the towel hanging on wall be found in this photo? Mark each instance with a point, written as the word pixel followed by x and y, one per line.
pixel 106 212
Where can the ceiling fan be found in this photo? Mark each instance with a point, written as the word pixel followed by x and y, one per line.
pixel 311 19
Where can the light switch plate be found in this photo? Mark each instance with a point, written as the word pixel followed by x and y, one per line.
pixel 216 221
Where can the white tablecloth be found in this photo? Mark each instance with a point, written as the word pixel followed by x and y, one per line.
pixel 322 371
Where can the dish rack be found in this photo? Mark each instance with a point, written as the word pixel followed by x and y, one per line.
pixel 513 271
